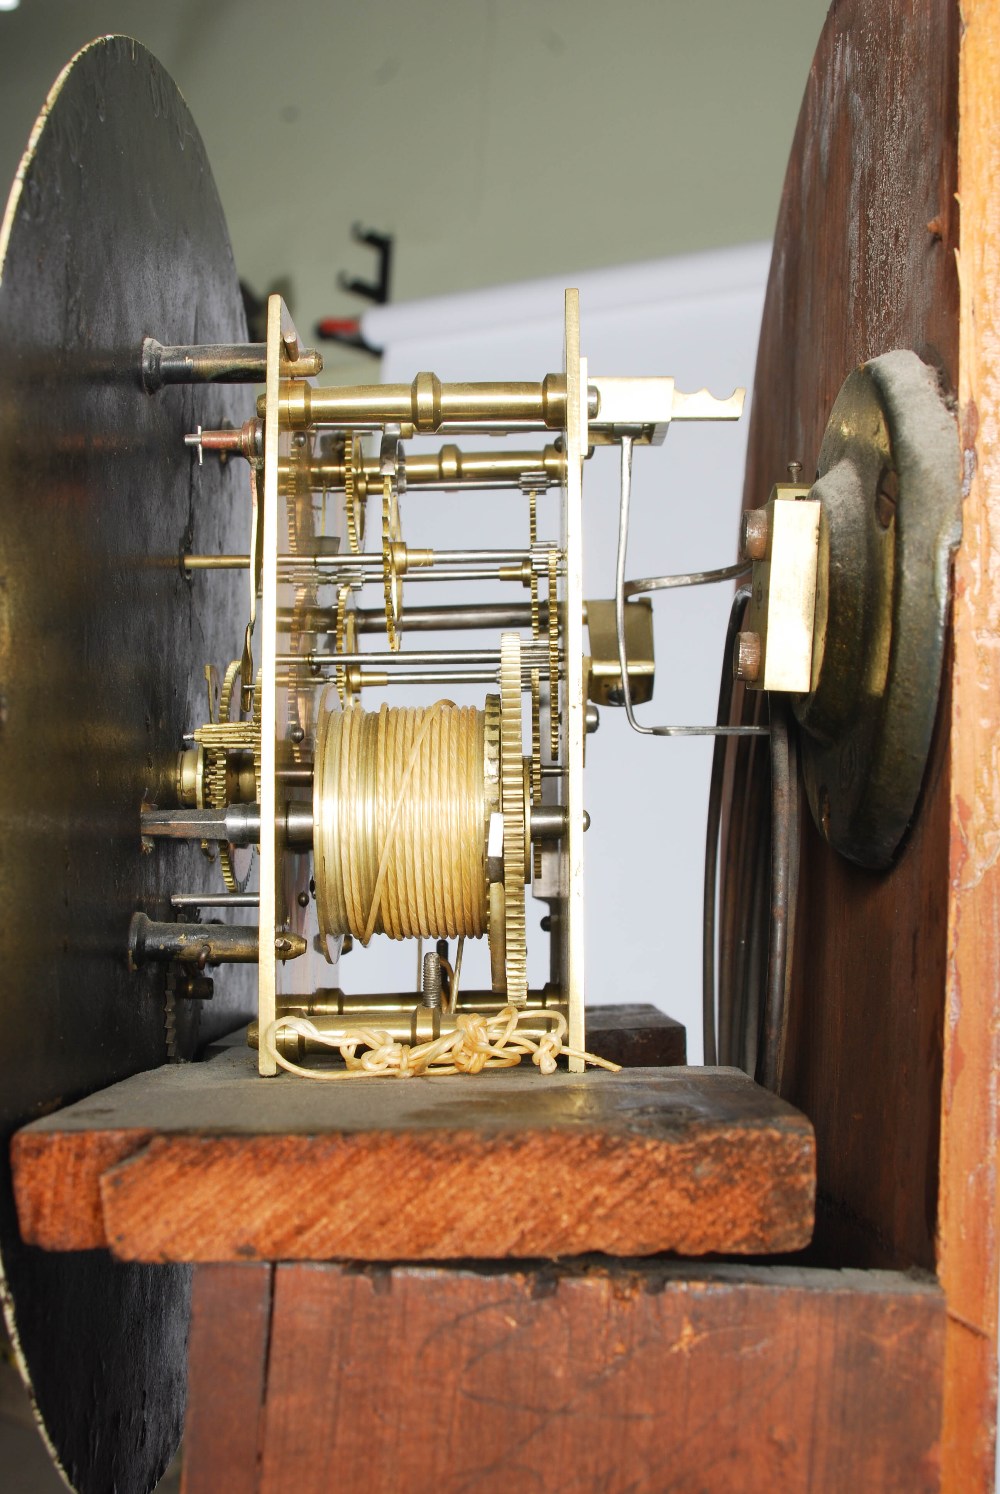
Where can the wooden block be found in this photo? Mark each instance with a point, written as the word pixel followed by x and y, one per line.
pixel 613 1378
pixel 209 1162
pixel 636 1035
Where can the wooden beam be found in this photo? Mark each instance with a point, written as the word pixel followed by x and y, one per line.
pixel 208 1162
pixel 967 1217
pixel 227 1376
pixel 636 1035
pixel 618 1378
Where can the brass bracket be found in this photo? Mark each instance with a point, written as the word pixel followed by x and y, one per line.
pixel 605 679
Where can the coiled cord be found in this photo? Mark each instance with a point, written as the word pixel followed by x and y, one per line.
pixel 400 823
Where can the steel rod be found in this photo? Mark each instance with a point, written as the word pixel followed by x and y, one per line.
pixel 368 559
pixel 212 363
pixel 430 658
pixel 215 900
pixel 686 578
pixel 239 824
pixel 431 677
pixel 450 617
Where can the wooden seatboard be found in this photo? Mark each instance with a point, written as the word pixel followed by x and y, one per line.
pixel 210 1162
pixel 613 1377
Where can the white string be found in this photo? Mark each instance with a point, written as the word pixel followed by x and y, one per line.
pixel 479 1041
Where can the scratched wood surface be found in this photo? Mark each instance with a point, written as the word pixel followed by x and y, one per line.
pixel 208 1162
pixel 967 1212
pixel 612 1378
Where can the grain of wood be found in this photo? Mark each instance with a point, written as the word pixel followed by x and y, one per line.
pixel 618 1378
pixel 207 1163
pixel 864 262
pixel 893 1038
pixel 967 1224
pixel 227 1378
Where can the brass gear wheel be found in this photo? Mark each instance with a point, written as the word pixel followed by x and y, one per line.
pixel 491 786
pixel 218 739
pixel 553 598
pixel 536 678
pixel 536 756
pixel 512 801
pixel 353 508
pixel 339 639
pixel 232 674
pixel 392 579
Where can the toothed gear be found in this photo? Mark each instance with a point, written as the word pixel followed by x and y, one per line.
pixel 339 634
pixel 170 1019
pixel 218 739
pixel 491 787
pixel 554 718
pixel 226 693
pixel 536 757
pixel 536 678
pixel 392 581
pixel 354 512
pixel 258 750
pixel 512 800
pixel 298 699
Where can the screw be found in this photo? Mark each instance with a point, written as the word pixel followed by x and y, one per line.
pixel 432 979
pixel 795 470
pixel 303 899
pixel 753 534
pixel 746 657
pixel 297 735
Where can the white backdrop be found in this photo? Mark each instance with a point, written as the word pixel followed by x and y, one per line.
pixel 695 318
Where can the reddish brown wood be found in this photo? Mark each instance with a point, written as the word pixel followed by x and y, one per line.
pixel 967 1234
pixel 864 262
pixel 609 1378
pixel 894 1038
pixel 209 1162
pixel 227 1377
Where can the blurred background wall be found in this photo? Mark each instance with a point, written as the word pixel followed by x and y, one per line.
pixel 498 140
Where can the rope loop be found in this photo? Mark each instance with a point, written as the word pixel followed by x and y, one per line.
pixel 479 1041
